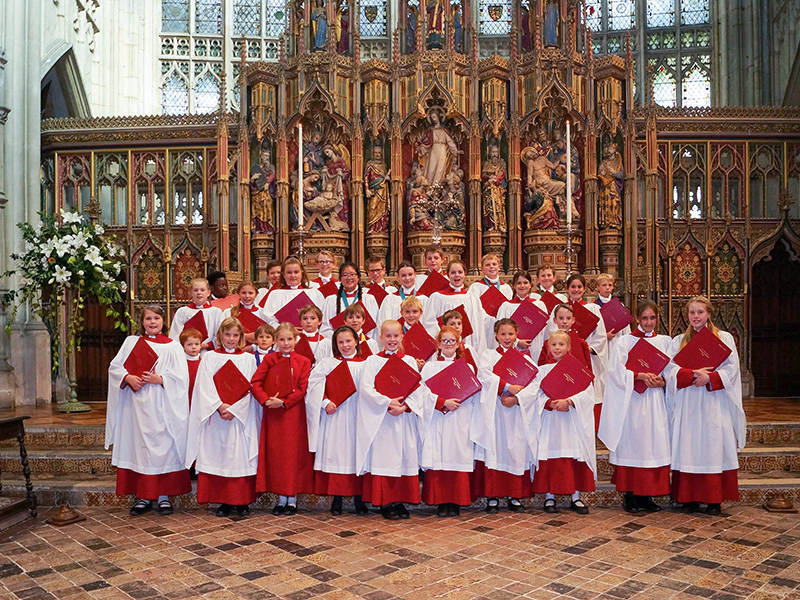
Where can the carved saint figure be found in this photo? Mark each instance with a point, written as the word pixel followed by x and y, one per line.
pixel 319 25
pixel 494 183
pixel 337 172
pixel 437 151
pixel 611 175
pixel 435 21
pixel 458 28
pixel 376 183
pixel 551 23
pixel 419 217
pixel 263 189
pixel 540 189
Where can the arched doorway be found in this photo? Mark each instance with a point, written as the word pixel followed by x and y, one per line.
pixel 776 322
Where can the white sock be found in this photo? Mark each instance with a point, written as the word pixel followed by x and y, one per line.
pixel 282 500
pixel 164 498
pixel 549 496
pixel 576 496
pixel 291 500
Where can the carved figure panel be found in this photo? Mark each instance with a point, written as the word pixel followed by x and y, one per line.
pixel 611 175
pixel 376 191
pixel 263 190
pixel 494 189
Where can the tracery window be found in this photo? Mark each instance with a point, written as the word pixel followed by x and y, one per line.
pixel 201 38
pixel 671 37
pixel 494 17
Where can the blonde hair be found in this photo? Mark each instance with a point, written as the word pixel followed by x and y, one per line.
pixel 410 302
pixel 230 323
pixel 202 280
pixel 605 277
pixel 489 256
pixel 392 324
pixel 562 334
pixel 285 326
pixel 689 333
pixel 452 331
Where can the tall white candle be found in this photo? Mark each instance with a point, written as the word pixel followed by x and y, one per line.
pixel 569 178
pixel 300 175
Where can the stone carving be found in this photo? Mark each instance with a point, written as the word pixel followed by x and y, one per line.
pixel 494 179
pixel 611 175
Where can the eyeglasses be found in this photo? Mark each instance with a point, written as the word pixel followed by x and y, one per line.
pixel 448 342
pixel 375 270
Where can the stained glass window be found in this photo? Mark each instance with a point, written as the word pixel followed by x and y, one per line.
pixel 175 95
pixel 495 17
pixel 247 17
pixel 696 87
pixel 206 94
pixel 660 13
pixel 175 16
pixel 208 16
pixel 276 21
pixel 665 91
pixel 594 14
pixel 694 12
pixel 621 14
pixel 372 20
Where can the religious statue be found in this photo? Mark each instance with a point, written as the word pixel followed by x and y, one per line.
pixel 437 152
pixel 451 210
pixel 419 217
pixel 411 29
pixel 376 183
pixel 611 175
pixel 319 25
pixel 263 189
pixel 434 10
pixel 494 180
pixel 525 21
pixel 551 23
pixel 337 172
pixel 540 189
pixel 343 34
pixel 458 28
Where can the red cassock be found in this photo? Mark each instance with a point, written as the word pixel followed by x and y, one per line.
pixel 285 465
pixel 193 364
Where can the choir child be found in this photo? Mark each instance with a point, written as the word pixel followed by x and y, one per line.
pixel 332 426
pixel 634 425
pixel 387 444
pixel 147 416
pixel 376 269
pixel 563 318
pixel 452 318
pixel 448 452
pixel 217 285
pixel 605 287
pixel 707 420
pixel 522 282
pixel 565 450
pixel 406 278
pixel 452 297
pixel 490 267
pixel 507 414
pixel 192 341
pixel 265 342
pixel 434 259
pixel 273 282
pixel 247 293
pixel 224 430
pixel 310 322
pixel 211 315
pixel 325 263
pixel 285 465
pixel 546 279
pixel 350 292
pixel 354 316
pixel 294 281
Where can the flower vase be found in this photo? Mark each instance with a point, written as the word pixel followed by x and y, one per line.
pixel 71 405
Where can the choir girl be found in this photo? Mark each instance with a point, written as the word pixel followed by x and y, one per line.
pixel 285 464
pixel 294 281
pixel 224 431
pixel 310 323
pixel 390 308
pixel 452 318
pixel 605 287
pixel 522 282
pixel 565 454
pixel 354 316
pixel 247 293
pixel 634 426
pixel 707 420
pixel 211 315
pixel 147 417
pixel 350 292
pixel 452 297
pixel 563 318
pixel 332 427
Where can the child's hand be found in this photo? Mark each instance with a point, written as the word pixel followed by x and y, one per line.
pixel 610 335
pixel 420 363
pixel 513 390
pixel 396 407
pixel 509 401
pixel 209 345
pixel 701 377
pixel 524 344
pixel 650 379
pixel 561 405
pixel 148 377
pixel 274 402
pixel 224 413
pixel 250 338
pixel 452 404
pixel 134 382
pixel 330 408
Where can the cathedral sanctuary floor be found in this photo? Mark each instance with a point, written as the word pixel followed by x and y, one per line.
pixel 608 554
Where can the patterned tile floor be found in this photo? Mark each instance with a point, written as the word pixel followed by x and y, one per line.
pixel 610 555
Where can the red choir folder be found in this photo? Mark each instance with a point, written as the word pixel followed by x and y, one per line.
pixel 417 342
pixel 142 359
pixel 198 322
pixel 397 379
pixel 303 348
pixel 329 289
pixel 456 381
pixel 378 292
pixel 615 316
pixel 226 302
pixel 530 320
pixel 585 320
pixel 515 369
pixel 250 321
pixel 275 286
pixel 704 351
pixel 339 384
pixel 369 323
pixel 289 312
pixel 466 326
pixel 492 299
pixel 433 283
pixel 365 349
pixel 279 378
pixel 550 300
pixel 231 385
pixel 645 358
pixel 568 378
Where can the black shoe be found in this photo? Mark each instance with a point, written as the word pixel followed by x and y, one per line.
pixel 141 507
pixel 647 504
pixel 579 507
pixel 514 505
pixel 402 511
pixel 550 506
pixel 279 509
pixel 389 512
pixel 165 508
pixel 336 505
pixel 690 507
pixel 714 510
pixel 454 510
pixel 492 506
pixel 224 510
pixel 443 510
pixel 630 504
pixel 361 506
pixel 291 509
pixel 243 510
